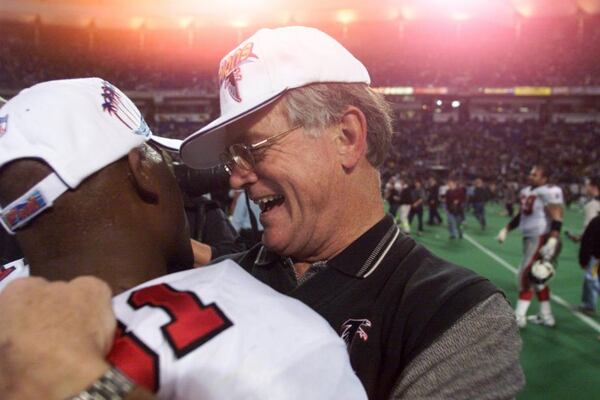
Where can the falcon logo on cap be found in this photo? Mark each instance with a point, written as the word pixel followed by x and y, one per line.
pixel 125 112
pixel 229 70
pixel 3 124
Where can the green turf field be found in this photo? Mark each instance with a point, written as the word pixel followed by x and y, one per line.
pixel 561 362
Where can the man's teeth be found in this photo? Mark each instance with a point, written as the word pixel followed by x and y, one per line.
pixel 265 202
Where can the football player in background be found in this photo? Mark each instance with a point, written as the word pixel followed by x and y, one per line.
pixel 540 222
pixel 86 193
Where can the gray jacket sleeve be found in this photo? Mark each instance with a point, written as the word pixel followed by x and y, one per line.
pixel 476 358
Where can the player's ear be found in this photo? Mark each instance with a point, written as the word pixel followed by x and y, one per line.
pixel 143 175
pixel 351 138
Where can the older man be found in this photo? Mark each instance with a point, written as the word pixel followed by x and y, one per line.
pixel 303 133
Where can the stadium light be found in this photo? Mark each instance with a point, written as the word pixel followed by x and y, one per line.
pixel 240 22
pixel 185 22
pixel 136 22
pixel 345 16
pixel 589 6
pixel 524 8
pixel 459 16
pixel 408 13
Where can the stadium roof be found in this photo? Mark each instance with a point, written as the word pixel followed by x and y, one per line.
pixel 240 13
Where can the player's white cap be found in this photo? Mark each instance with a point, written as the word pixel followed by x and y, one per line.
pixel 77 126
pixel 260 70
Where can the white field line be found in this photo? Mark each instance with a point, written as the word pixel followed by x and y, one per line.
pixel 554 297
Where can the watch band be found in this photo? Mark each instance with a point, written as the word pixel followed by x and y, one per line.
pixel 112 385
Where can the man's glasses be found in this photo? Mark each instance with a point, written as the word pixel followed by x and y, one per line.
pixel 242 155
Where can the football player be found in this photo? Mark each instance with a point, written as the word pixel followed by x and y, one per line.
pixel 540 222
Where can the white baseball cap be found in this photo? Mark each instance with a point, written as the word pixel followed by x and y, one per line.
pixel 260 70
pixel 78 127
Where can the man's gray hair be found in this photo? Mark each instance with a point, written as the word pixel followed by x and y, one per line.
pixel 322 105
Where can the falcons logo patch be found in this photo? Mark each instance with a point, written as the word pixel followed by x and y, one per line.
pixel 353 327
pixel 229 70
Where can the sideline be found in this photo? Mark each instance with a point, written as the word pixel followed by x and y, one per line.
pixel 554 297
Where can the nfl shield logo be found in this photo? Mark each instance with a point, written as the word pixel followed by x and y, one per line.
pixel 3 123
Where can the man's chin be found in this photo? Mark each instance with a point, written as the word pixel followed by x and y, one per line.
pixel 275 241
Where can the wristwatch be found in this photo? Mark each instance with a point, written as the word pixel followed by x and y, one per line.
pixel 113 385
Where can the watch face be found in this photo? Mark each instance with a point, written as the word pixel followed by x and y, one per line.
pixel 113 385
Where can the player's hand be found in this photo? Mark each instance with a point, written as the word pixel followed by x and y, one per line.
pixel 502 235
pixel 53 336
pixel 549 249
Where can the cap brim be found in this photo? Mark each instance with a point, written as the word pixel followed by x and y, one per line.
pixel 169 144
pixel 203 148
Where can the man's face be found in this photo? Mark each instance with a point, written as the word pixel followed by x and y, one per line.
pixel 536 177
pixel 294 181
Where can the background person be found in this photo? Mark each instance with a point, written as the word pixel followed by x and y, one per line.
pixel 540 222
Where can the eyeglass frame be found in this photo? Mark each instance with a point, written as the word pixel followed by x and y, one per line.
pixel 229 158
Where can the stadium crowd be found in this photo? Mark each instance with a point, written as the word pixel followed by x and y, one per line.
pixel 423 54
pixel 497 152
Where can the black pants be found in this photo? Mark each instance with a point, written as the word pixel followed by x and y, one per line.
pixel 418 211
pixel 434 215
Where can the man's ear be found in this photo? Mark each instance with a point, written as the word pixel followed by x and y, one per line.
pixel 143 177
pixel 351 139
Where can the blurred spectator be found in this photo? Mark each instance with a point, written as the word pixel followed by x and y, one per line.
pixel 419 197
pixel 510 197
pixel 406 201
pixel 456 198
pixel 481 194
pixel 589 258
pixel 433 200
pixel 392 191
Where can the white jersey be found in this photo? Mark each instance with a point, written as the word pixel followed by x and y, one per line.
pixel 218 333
pixel 533 219
pixel 13 270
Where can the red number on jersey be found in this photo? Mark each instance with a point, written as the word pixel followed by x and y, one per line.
pixel 192 324
pixel 4 272
pixel 134 358
pixel 527 204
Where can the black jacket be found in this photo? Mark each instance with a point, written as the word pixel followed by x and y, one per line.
pixel 388 298
pixel 590 242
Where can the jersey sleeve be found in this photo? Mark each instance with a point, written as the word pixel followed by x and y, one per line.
pixel 321 373
pixel 11 271
pixel 553 195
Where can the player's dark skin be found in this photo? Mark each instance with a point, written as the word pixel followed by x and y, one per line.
pixel 125 225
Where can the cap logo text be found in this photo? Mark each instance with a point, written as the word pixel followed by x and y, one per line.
pixel 22 212
pixel 229 70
